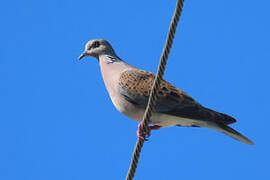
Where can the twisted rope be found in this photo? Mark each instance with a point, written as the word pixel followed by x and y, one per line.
pixel 153 95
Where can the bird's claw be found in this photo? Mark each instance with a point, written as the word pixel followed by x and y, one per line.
pixel 145 135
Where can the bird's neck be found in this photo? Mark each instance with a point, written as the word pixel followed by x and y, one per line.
pixel 111 65
pixel 109 57
pixel 111 70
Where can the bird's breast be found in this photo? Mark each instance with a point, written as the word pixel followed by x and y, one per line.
pixel 111 73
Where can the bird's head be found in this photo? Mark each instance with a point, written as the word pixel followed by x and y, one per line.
pixel 97 47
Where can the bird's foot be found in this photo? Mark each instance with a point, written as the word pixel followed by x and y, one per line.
pixel 145 135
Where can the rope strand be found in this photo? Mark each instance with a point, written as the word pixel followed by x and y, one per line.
pixel 153 95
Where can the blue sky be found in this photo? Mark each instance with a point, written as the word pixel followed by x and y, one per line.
pixel 57 121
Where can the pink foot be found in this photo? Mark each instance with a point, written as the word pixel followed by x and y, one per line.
pixel 139 133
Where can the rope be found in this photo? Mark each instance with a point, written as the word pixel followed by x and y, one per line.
pixel 153 95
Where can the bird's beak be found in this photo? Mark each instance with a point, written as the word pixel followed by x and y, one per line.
pixel 82 56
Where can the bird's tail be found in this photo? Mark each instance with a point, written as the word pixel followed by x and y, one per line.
pixel 230 132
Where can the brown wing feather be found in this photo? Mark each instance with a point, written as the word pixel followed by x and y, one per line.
pixel 136 86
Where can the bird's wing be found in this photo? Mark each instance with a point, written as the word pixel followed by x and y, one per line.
pixel 135 85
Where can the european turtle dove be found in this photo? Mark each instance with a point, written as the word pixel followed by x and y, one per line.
pixel 129 89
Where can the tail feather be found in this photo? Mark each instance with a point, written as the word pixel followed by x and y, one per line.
pixel 231 132
pixel 220 117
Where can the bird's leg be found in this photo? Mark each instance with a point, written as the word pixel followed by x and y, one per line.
pixel 139 133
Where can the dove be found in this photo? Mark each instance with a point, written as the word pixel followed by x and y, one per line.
pixel 129 89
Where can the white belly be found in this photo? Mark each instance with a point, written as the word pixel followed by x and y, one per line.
pixel 159 119
pixel 166 120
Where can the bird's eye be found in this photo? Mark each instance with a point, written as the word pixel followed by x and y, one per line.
pixel 95 44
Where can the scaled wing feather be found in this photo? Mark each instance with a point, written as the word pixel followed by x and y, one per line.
pixel 135 85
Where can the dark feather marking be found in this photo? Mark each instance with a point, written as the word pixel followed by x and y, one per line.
pixel 172 101
pixel 188 126
pixel 164 89
pixel 130 100
pixel 174 94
